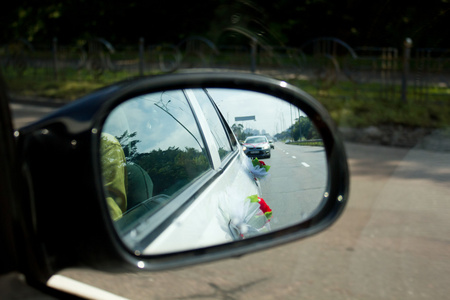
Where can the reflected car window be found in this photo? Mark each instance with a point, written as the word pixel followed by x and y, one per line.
pixel 162 145
pixel 256 140
pixel 216 126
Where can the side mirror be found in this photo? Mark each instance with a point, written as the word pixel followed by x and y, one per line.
pixel 149 174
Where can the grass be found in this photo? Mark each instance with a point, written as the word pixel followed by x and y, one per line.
pixel 306 143
pixel 70 85
pixel 64 89
pixel 370 104
pixel 349 104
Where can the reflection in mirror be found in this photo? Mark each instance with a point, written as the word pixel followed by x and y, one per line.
pixel 186 169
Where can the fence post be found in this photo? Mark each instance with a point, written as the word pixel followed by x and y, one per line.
pixel 55 57
pixel 407 44
pixel 141 56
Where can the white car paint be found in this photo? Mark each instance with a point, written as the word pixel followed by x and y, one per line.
pixel 201 224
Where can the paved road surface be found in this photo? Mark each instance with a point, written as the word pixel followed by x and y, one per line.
pixel 24 114
pixel 296 184
pixel 392 242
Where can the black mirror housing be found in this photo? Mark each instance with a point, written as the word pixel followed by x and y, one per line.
pixel 68 223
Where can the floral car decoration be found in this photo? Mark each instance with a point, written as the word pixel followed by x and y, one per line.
pixel 244 218
pixel 257 168
pixel 267 211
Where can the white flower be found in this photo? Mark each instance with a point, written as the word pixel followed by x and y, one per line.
pixel 239 217
pixel 256 171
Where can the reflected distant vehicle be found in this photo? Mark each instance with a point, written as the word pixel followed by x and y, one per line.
pixel 257 146
pixel 272 145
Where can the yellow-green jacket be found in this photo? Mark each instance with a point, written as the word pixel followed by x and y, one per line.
pixel 114 174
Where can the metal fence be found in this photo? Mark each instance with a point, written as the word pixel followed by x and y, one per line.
pixel 326 63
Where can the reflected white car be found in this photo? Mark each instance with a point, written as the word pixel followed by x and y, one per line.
pixel 174 142
pixel 257 146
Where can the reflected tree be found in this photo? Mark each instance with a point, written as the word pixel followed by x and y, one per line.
pixel 129 144
pixel 302 129
pixel 238 130
pixel 169 169
pixel 173 168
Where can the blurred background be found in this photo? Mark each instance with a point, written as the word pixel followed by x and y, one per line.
pixel 361 56
pixel 381 68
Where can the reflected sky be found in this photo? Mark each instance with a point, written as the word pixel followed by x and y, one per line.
pixel 161 120
pixel 272 114
pixel 164 119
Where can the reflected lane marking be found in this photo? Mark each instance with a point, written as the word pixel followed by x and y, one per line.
pixel 305 164
pixel 294 157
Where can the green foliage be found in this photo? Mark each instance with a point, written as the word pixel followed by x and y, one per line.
pixel 364 113
pixel 306 143
pixel 371 104
pixel 302 129
pixel 173 168
pixel 71 85
pixel 169 169
pixel 129 145
pixel 349 104
pixel 287 22
pixel 238 130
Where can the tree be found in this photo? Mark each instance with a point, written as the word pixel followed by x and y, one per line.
pixel 303 128
pixel 307 129
pixel 129 144
pixel 283 22
pixel 238 130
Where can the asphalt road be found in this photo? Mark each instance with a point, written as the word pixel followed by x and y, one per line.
pixel 392 242
pixel 296 184
pixel 24 114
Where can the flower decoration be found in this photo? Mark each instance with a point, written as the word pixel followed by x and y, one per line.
pixel 257 168
pixel 261 164
pixel 263 206
pixel 242 217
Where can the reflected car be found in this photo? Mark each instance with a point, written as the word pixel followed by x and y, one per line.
pixel 172 140
pixel 257 146
pixel 272 145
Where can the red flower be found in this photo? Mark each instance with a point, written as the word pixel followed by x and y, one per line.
pixel 263 206
pixel 262 163
pixel 265 209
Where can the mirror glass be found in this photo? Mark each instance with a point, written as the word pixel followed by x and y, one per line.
pixel 186 169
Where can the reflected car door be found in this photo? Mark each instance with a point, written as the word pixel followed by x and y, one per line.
pixel 202 223
pixel 188 154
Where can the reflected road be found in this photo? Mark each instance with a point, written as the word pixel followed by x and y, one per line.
pixel 296 184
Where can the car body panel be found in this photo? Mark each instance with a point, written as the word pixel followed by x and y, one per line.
pixel 201 225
